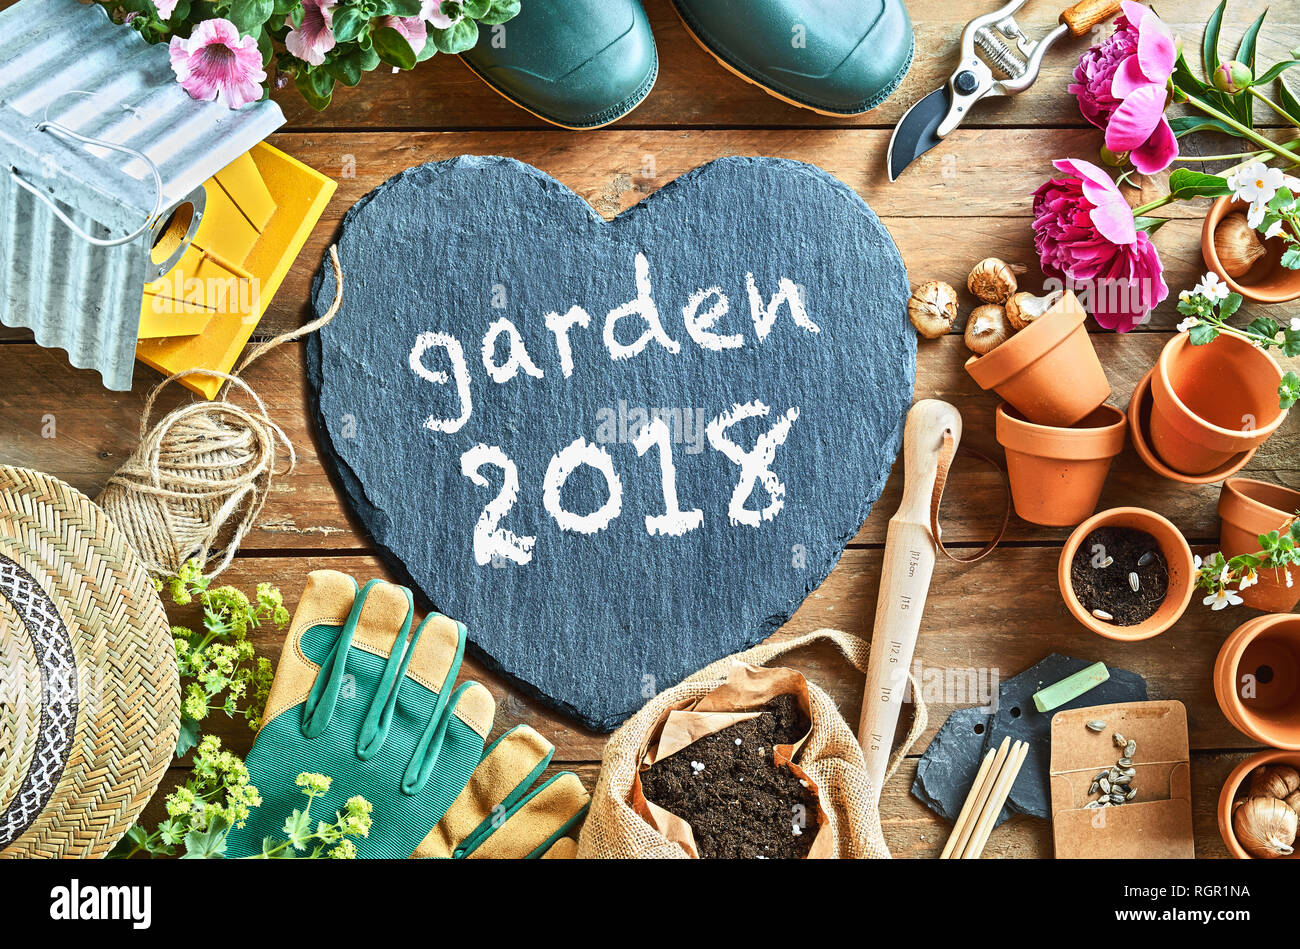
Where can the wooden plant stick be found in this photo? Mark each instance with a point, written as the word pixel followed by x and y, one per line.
pixel 904 582
pixel 981 798
pixel 1006 778
pixel 960 824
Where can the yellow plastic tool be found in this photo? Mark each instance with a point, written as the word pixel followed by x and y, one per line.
pixel 260 210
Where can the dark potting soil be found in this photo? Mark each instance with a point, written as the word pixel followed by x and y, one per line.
pixel 1108 588
pixel 740 804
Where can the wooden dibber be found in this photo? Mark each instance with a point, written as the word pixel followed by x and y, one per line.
pixel 1087 14
pixel 910 551
pixel 984 802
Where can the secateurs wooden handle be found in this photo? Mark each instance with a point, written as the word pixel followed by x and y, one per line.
pixel 997 59
pixel 910 550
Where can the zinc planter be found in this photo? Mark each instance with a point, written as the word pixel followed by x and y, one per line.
pixel 1178 556
pixel 1257 680
pixel 1232 787
pixel 1212 402
pixel 1049 370
pixel 1267 281
pixel 1248 508
pixel 1057 473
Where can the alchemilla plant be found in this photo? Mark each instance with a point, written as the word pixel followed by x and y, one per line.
pixel 236 50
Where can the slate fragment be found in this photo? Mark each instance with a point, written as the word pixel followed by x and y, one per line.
pixel 596 623
pixel 947 769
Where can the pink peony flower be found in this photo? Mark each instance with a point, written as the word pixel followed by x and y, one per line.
pixel 215 62
pixel 1096 70
pixel 432 11
pixel 1085 235
pixel 165 8
pixel 412 29
pixel 1121 87
pixel 311 41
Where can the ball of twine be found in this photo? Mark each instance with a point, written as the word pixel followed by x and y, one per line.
pixel 195 484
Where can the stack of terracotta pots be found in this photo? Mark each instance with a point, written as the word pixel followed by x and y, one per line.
pixel 1059 436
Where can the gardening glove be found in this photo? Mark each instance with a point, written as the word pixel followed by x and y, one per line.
pixel 359 699
pixel 497 816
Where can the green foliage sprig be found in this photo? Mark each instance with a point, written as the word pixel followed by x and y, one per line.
pixel 1279 552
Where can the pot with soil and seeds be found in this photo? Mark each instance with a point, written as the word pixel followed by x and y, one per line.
pixel 1048 370
pixel 1057 473
pixel 1257 680
pixel 1127 574
pixel 1247 510
pixel 1248 262
pixel 1259 807
pixel 1213 401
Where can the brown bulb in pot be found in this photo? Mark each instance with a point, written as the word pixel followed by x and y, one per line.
pixel 1237 245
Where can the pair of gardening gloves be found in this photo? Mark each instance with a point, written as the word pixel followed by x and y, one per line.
pixel 361 699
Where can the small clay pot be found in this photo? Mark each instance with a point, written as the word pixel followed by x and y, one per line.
pixel 1049 370
pixel 1267 281
pixel 1139 426
pixel 1248 508
pixel 1257 680
pixel 1182 572
pixel 1212 402
pixel 1232 788
pixel 1057 473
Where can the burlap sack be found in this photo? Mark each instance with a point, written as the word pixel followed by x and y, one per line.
pixel 831 757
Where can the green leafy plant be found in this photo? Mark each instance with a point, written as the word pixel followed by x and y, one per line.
pixel 217 666
pixel 356 37
pixel 1206 309
pixel 1279 551
pixel 1282 220
pixel 323 839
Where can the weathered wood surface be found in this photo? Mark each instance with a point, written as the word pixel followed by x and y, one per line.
pixel 968 199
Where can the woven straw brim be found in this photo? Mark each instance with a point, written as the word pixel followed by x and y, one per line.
pixel 89 696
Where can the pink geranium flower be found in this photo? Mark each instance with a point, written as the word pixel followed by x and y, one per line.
pixel 315 37
pixel 1085 235
pixel 412 28
pixel 216 62
pixel 432 11
pixel 165 8
pixel 1121 87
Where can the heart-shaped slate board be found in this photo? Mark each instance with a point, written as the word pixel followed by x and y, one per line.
pixel 518 500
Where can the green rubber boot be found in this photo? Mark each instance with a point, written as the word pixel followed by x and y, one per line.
pixel 579 64
pixel 837 57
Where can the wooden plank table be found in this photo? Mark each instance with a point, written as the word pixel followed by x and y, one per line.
pixel 966 200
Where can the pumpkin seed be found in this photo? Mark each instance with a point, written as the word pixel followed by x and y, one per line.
pixel 1096 725
pixel 1133 582
pixel 1103 616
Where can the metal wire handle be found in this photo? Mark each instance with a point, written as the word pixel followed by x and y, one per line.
pixel 64 131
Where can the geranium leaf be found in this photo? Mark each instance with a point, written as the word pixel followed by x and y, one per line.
pixel 393 48
pixel 457 38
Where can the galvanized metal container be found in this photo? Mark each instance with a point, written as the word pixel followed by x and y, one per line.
pixel 71 74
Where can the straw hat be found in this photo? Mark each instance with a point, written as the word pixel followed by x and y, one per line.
pixel 89 697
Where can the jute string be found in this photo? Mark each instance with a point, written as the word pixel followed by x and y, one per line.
pixel 196 483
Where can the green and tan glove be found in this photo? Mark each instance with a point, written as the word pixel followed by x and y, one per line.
pixel 497 816
pixel 360 698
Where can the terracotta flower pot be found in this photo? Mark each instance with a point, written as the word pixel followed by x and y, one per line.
pixel 1257 680
pixel 1248 508
pixel 1212 402
pixel 1049 370
pixel 1057 473
pixel 1139 426
pixel 1231 788
pixel 1172 544
pixel 1267 281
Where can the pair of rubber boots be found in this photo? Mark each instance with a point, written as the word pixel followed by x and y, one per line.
pixel 585 63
